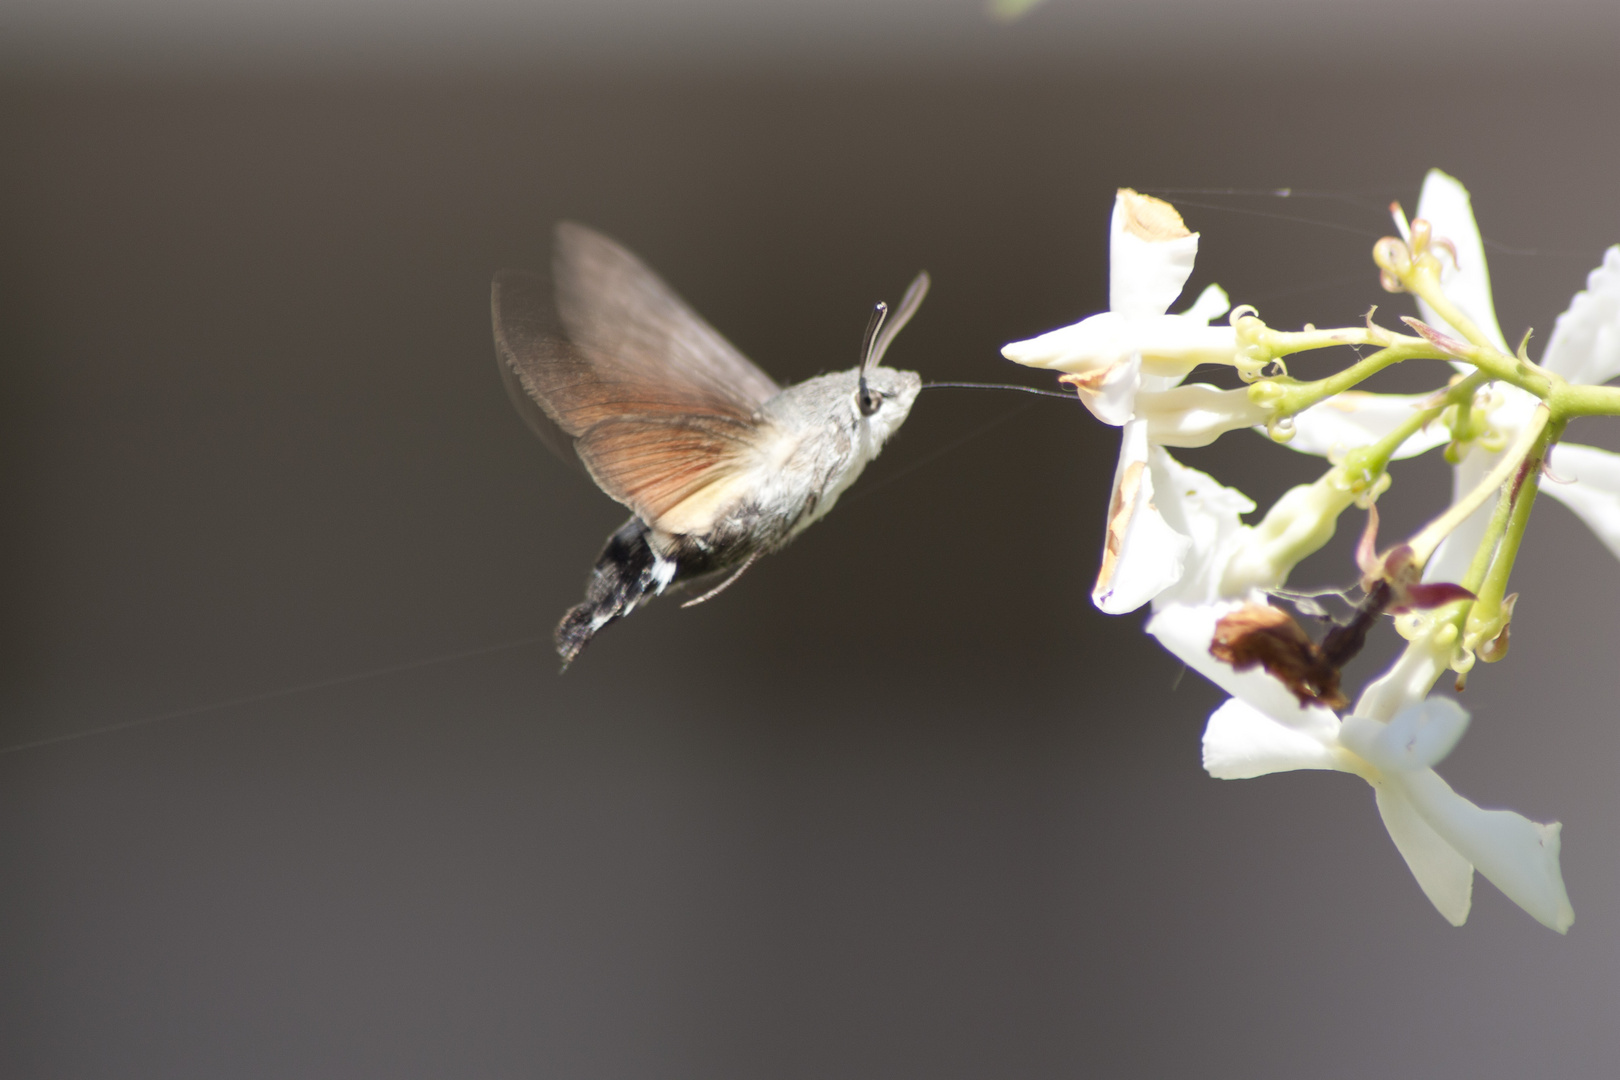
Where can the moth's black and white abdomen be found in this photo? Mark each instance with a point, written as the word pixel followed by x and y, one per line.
pixel 626 573
pixel 639 563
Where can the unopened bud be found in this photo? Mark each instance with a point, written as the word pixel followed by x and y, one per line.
pixel 1394 261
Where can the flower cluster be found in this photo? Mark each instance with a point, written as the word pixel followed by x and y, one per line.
pixel 1176 539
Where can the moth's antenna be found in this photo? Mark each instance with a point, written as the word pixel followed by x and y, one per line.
pixel 909 304
pixel 878 336
pixel 869 354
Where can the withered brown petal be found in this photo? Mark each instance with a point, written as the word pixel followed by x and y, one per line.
pixel 1257 635
pixel 1122 507
pixel 1151 219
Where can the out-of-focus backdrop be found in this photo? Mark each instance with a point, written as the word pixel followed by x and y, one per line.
pixel 899 804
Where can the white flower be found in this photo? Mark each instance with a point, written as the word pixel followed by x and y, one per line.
pixel 1175 534
pixel 1445 204
pixel 1345 422
pixel 1587 480
pixel 1171 529
pixel 1584 348
pixel 1120 359
pixel 1126 364
pixel 1442 836
pixel 1208 513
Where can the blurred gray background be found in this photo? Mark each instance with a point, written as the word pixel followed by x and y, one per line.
pixel 899 804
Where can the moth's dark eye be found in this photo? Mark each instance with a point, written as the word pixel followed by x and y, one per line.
pixel 869 400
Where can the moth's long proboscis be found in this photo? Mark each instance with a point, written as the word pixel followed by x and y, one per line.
pixel 998 386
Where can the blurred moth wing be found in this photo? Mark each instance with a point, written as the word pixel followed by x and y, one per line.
pixel 614 366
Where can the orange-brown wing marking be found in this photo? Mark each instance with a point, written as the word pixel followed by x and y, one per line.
pixel 656 403
pixel 654 465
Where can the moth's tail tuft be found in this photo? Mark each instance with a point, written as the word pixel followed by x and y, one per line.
pixel 627 574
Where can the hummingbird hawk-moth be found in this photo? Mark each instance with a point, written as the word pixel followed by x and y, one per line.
pixel 717 464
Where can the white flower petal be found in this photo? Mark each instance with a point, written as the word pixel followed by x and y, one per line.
pixel 1096 342
pixel 1515 854
pixel 1197 503
pixel 1407 682
pixel 1146 273
pixel 1585 343
pixel 1587 480
pixel 1445 877
pixel 1208 513
pixel 1355 419
pixel 1444 203
pixel 1173 345
pixel 1419 736
pixel 1196 415
pixel 1187 630
pixel 1164 345
pixel 1109 394
pixel 1211 304
pixel 1241 742
pixel 1142 554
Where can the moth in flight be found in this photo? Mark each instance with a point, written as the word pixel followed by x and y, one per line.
pixel 717 464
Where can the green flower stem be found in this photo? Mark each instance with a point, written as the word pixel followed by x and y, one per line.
pixel 1469 622
pixel 1485 618
pixel 1568 402
pixel 1305 518
pixel 1285 397
pixel 1286 342
pixel 1424 282
pixel 1424 543
pixel 1512 370
pixel 1374 459
pixel 1487 543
